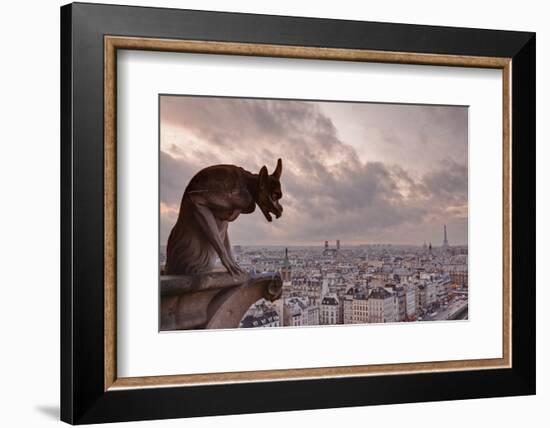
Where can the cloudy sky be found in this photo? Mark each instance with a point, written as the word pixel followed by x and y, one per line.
pixel 358 172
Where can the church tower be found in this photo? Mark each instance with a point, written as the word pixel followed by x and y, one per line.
pixel 286 269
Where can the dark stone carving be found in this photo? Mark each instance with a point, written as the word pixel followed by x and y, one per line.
pixel 214 197
pixel 193 296
pixel 213 300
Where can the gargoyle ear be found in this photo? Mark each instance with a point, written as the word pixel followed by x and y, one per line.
pixel 277 173
pixel 263 177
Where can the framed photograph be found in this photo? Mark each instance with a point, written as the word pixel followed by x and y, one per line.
pixel 267 213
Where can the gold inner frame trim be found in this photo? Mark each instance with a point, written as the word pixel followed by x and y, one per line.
pixel 113 43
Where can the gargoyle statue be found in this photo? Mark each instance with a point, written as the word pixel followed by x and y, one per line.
pixel 214 197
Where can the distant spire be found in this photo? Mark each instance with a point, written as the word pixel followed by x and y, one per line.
pixel 445 242
pixel 286 262
pixel 286 269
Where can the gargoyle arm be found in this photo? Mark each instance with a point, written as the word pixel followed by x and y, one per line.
pixel 207 221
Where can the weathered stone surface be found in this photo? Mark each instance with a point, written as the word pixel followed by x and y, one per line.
pixel 213 299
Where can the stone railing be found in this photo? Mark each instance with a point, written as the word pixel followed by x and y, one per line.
pixel 214 299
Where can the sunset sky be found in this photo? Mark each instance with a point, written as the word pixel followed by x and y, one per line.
pixel 360 172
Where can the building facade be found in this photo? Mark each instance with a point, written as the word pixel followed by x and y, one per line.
pixel 381 306
pixel 331 311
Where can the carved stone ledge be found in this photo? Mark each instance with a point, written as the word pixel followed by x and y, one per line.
pixel 213 299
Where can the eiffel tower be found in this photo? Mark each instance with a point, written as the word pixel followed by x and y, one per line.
pixel 445 242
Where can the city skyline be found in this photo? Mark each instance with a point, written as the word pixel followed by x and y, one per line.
pixel 335 285
pixel 363 173
pixel 333 243
pixel 338 243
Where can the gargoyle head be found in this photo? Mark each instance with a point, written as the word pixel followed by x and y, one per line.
pixel 269 191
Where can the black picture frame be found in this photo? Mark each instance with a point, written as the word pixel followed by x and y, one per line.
pixel 83 398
